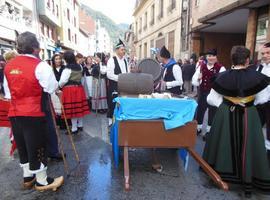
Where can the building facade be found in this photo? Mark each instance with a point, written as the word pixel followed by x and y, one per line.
pixel 87 34
pixel 223 24
pixel 68 32
pixel 16 17
pixel 49 22
pixel 129 40
pixel 103 40
pixel 157 23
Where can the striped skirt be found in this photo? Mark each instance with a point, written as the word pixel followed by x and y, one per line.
pixel 74 102
pixel 4 107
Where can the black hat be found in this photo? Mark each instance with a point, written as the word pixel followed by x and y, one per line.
pixel 212 52
pixel 267 45
pixel 119 44
pixel 164 53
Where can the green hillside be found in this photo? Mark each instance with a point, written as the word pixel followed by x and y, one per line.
pixel 115 31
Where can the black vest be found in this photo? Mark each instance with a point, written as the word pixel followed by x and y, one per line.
pixel 76 74
pixel 170 77
pixel 57 74
pixel 260 68
pixel 117 71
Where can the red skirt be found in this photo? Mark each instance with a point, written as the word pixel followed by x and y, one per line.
pixel 4 108
pixel 74 102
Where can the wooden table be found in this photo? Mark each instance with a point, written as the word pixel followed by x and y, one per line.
pixel 151 134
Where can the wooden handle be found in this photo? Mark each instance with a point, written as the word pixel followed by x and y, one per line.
pixel 209 170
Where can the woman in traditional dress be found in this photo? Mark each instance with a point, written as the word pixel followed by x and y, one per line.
pixel 58 67
pixel 4 98
pixel 73 98
pixel 99 99
pixel 235 146
pixel 88 79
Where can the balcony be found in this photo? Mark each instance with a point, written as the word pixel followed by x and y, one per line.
pixel 47 13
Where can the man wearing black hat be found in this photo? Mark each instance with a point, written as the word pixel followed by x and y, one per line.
pixel 115 66
pixel 202 78
pixel 264 109
pixel 172 76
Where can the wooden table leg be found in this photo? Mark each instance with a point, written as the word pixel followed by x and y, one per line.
pixel 155 162
pixel 126 168
pixel 209 170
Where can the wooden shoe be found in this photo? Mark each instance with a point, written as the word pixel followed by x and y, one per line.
pixel 80 129
pixel 28 182
pixel 53 184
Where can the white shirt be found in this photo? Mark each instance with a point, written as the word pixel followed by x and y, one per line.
pixel 64 77
pixel 110 68
pixel 195 78
pixel 103 68
pixel 266 69
pixel 44 75
pixel 177 73
pixel 215 99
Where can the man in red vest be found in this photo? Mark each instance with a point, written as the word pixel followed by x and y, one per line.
pixel 26 77
pixel 203 78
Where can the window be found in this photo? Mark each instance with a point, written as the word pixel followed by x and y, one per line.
pixel 171 41
pixel 42 28
pixel 75 38
pixel 140 29
pixel 161 7
pixel 197 2
pixel 152 46
pixel 74 21
pixel 136 28
pixel 173 4
pixel 140 51
pixel 53 34
pixel 68 16
pixel 263 24
pixel 48 31
pixel 145 21
pixel 53 10
pixel 57 11
pixel 49 3
pixel 69 35
pixel 145 50
pixel 152 22
pixel 74 4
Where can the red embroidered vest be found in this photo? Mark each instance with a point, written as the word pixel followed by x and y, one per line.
pixel 24 87
pixel 207 75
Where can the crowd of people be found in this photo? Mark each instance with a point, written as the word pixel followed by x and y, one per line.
pixel 237 99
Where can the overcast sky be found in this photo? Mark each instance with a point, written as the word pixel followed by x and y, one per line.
pixel 120 11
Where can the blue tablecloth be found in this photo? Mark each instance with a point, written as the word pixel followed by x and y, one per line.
pixel 174 112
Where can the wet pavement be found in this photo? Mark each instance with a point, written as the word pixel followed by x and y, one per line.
pixel 96 177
